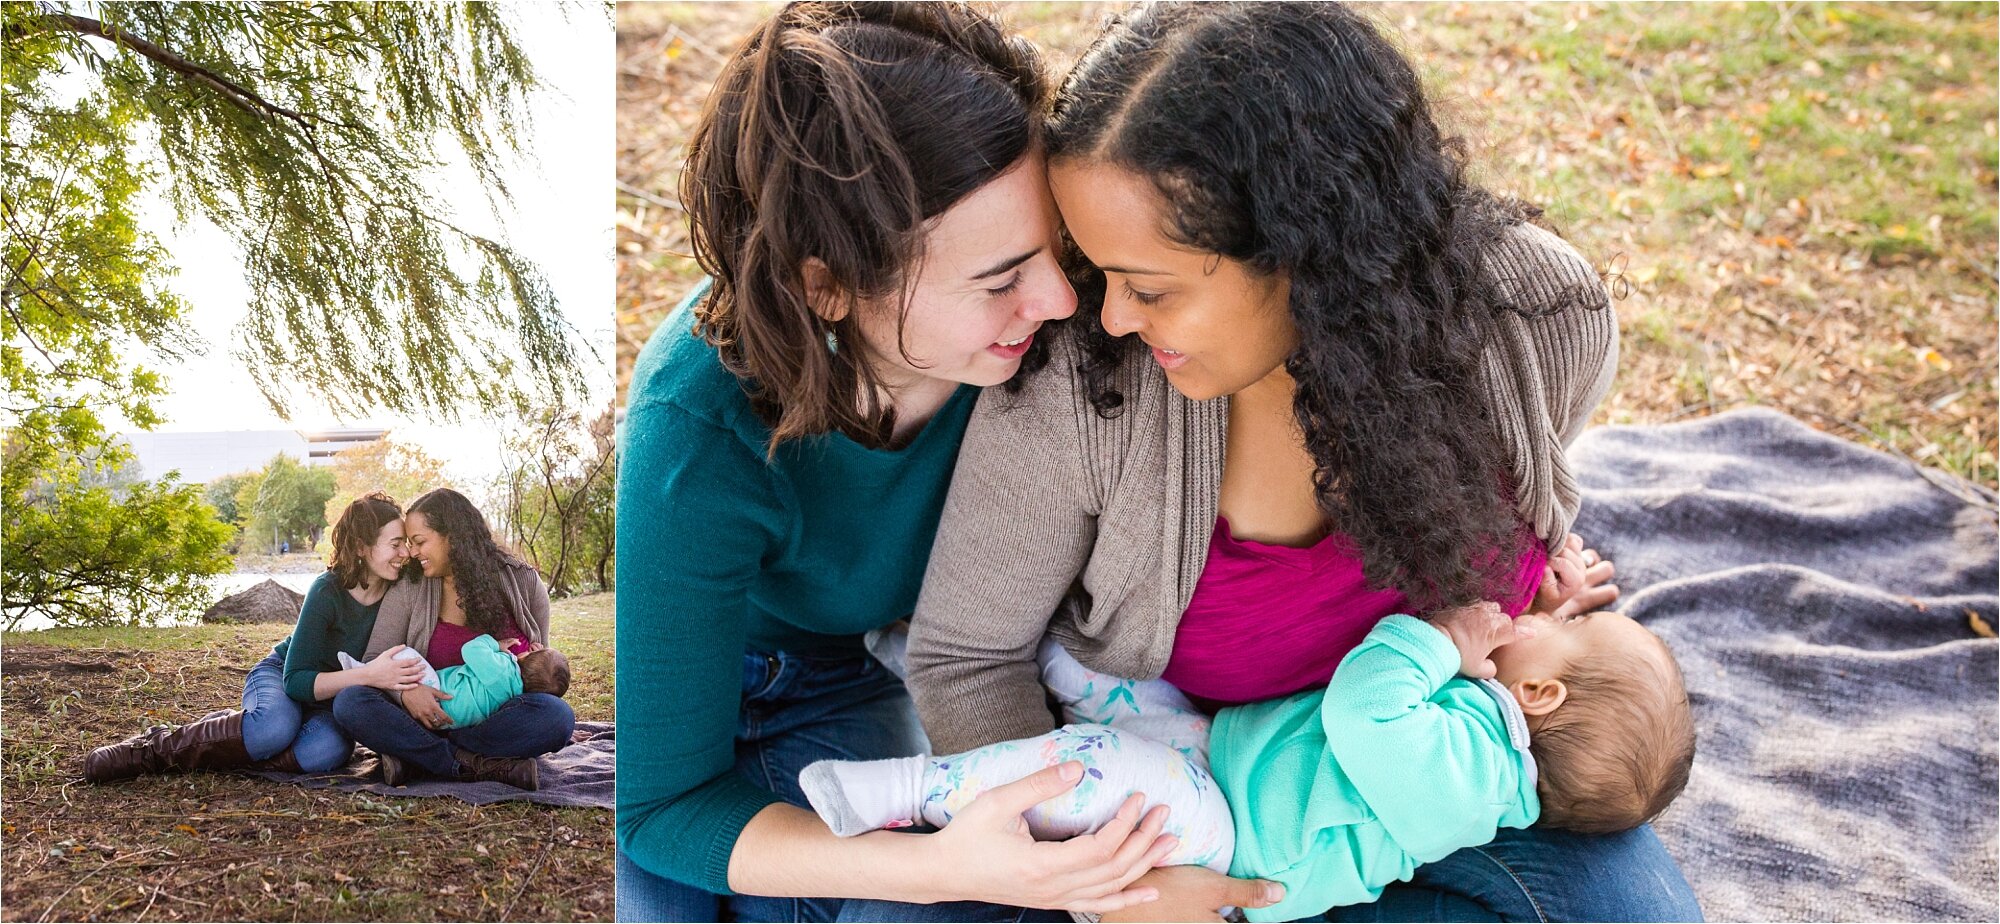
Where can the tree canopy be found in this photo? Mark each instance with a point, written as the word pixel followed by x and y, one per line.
pixel 314 136
pixel 286 501
pixel 399 469
pixel 307 133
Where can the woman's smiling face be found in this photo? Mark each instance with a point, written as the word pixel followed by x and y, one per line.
pixel 387 555
pixel 428 546
pixel 989 279
pixel 1214 326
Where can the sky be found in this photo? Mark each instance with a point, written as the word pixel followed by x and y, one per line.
pixel 561 219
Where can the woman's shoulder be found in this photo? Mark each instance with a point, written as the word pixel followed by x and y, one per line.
pixel 1538 273
pixel 521 572
pixel 324 592
pixel 680 375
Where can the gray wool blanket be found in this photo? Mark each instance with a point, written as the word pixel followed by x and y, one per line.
pixel 581 774
pixel 1819 596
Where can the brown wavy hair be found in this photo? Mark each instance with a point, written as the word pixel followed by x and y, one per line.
pixel 355 533
pixel 835 134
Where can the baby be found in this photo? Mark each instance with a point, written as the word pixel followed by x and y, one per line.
pixel 1430 737
pixel 491 675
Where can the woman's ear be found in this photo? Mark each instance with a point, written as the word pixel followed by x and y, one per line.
pixel 827 298
pixel 1539 697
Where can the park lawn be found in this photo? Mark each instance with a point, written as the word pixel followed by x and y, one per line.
pixel 218 847
pixel 1795 202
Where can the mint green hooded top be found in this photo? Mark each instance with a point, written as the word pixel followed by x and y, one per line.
pixel 1397 763
pixel 490 676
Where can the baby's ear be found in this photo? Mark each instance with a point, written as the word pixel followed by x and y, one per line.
pixel 1539 697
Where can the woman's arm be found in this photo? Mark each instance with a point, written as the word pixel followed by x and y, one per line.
pixel 985 854
pixel 386 672
pixel 696 515
pixel 1016 532
pixel 534 623
pixel 1550 362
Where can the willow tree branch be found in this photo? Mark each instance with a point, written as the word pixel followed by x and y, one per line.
pixel 244 97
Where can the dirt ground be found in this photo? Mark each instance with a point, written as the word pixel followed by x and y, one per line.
pixel 219 847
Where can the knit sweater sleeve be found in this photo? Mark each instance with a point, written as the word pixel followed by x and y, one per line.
pixel 697 517
pixel 312 650
pixel 1017 530
pixel 1552 359
pixel 1428 773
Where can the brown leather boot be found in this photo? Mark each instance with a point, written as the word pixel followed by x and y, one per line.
pixel 212 742
pixel 285 761
pixel 518 772
pixel 394 771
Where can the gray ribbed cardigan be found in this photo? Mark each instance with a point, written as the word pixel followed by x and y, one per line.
pixel 1095 530
pixel 409 612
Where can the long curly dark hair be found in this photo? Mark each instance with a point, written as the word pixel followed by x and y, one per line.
pixel 1297 139
pixel 478 564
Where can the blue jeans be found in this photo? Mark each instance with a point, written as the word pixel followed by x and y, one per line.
pixel 1523 875
pixel 797 710
pixel 528 725
pixel 1541 874
pixel 273 721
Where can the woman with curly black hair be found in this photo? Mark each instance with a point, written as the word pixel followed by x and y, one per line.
pixel 464 586
pixel 1318 377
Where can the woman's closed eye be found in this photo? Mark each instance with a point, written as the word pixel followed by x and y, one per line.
pixel 1143 298
pixel 1013 282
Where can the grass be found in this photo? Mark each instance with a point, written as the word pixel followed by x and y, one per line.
pixel 213 846
pixel 1799 198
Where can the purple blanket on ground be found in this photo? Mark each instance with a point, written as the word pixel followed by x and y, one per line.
pixel 1821 598
pixel 581 774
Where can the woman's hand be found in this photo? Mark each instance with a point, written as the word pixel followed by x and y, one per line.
pixel 422 704
pixel 388 672
pixel 1576 581
pixel 987 853
pixel 1197 893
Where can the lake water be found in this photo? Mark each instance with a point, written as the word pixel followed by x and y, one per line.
pixel 223 584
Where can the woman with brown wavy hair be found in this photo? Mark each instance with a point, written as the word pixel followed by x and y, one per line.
pixel 287 722
pixel 464 586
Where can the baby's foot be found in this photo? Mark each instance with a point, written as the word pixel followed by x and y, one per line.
pixel 855 796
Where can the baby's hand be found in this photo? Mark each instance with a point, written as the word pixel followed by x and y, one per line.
pixel 1475 630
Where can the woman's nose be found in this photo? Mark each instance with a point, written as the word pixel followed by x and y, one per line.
pixel 1121 317
pixel 1056 303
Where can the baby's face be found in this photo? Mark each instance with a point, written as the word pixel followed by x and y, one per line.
pixel 1556 645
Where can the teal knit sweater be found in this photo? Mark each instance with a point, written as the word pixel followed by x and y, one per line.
pixel 1397 763
pixel 721 551
pixel 330 621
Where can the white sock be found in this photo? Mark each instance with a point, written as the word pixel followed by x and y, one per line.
pixel 857 796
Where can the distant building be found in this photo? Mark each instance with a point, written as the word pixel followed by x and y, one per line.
pixel 203 457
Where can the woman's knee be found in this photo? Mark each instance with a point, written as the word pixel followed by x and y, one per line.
pixel 266 735
pixel 322 747
pixel 551 718
pixel 269 724
pixel 353 703
pixel 1552 875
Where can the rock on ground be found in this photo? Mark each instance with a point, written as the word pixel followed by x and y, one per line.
pixel 268 601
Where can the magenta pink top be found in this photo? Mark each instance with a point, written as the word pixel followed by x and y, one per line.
pixel 1271 620
pixel 448 640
